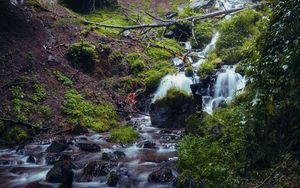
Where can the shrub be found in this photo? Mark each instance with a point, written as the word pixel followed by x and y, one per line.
pixel 83 55
pixel 124 135
pixel 99 117
pixel 64 79
pixel 39 92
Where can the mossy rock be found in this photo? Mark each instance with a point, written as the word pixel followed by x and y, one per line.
pixel 172 110
pixel 83 55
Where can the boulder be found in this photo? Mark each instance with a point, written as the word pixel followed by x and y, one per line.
pixel 162 175
pixel 197 4
pixel 58 146
pixel 30 159
pixel 96 169
pixel 113 156
pixel 88 146
pixel 172 110
pixel 112 179
pixel 61 173
pixel 147 144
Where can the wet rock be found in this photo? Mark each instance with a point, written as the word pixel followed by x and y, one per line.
pixel 58 146
pixel 52 59
pixel 30 159
pixel 172 112
pixel 119 154
pixel 88 146
pixel 107 156
pixel 61 173
pixel 197 4
pixel 162 175
pixel 10 161
pixel 113 178
pixel 37 185
pixel 96 169
pixel 147 144
pixel 78 130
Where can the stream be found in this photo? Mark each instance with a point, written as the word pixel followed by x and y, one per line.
pixel 155 151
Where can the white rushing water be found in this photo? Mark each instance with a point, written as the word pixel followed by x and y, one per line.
pixel 228 83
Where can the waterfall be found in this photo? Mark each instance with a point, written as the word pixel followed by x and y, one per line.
pixel 177 80
pixel 227 84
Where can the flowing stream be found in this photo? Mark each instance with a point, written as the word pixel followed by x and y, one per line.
pixel 155 148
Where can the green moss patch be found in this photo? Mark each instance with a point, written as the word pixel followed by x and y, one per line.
pixel 124 135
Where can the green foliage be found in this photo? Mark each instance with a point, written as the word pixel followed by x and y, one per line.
pixel 112 17
pixel 39 92
pixel 16 135
pixel 203 32
pixel 62 78
pixel 124 135
pixel 45 110
pixel 216 152
pixel 99 117
pixel 83 55
pixel 234 33
pixel 205 69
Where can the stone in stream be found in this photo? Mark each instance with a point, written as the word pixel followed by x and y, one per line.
pixel 30 159
pixel 96 169
pixel 113 156
pixel 114 177
pixel 162 175
pixel 79 129
pixel 147 144
pixel 37 185
pixel 61 173
pixel 88 146
pixel 171 112
pixel 58 146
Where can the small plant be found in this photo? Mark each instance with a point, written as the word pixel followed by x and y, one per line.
pixel 83 55
pixel 39 92
pixel 124 135
pixel 64 79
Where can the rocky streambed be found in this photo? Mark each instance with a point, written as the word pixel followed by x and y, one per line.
pixel 91 160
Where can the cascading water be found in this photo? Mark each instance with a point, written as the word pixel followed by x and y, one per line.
pixel 227 84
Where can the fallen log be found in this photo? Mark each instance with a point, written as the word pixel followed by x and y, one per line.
pixel 166 23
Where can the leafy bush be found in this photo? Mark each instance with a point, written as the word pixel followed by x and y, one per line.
pixel 124 135
pixel 205 69
pixel 203 32
pixel 99 117
pixel 83 55
pixel 64 79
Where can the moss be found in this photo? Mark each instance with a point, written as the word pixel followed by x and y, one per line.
pixel 83 55
pixel 234 33
pixel 16 136
pixel 136 63
pixel 99 117
pixel 175 94
pixel 205 69
pixel 62 78
pixel 124 135
pixel 152 79
pixel 21 109
pixel 45 110
pixel 115 56
pixel 36 4
pixel 189 71
pixel 203 33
